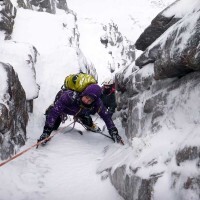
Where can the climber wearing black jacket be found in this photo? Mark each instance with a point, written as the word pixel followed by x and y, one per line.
pixel 108 95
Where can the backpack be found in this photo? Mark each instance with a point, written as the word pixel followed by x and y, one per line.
pixel 78 82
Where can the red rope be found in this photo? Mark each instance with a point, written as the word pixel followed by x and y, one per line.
pixel 35 145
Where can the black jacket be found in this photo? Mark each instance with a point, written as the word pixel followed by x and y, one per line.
pixel 108 98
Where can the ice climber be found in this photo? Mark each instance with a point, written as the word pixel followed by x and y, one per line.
pixel 80 105
pixel 108 95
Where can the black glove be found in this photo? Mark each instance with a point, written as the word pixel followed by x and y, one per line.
pixel 46 133
pixel 114 134
pixel 110 111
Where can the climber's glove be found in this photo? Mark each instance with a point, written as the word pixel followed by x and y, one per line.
pixel 115 136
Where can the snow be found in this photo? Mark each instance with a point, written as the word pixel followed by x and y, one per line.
pixel 131 16
pixel 51 73
pixel 18 56
pixel 49 28
pixel 14 2
pixel 68 166
pixel 3 83
pixel 63 169
pixel 189 22
pixel 90 44
pixel 182 8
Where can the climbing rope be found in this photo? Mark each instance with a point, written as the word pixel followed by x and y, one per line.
pixel 35 145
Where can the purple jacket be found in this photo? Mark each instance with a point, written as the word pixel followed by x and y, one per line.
pixel 69 103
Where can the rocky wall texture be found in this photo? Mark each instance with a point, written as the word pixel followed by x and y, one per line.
pixel 7 16
pixel 44 5
pixel 14 116
pixel 156 96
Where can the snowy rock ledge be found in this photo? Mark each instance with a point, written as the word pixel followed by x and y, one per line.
pixel 176 52
pixel 13 112
pixel 23 58
pixel 165 19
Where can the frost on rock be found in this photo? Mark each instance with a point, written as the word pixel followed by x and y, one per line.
pixel 13 112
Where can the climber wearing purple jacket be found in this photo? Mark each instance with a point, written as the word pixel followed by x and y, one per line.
pixel 81 106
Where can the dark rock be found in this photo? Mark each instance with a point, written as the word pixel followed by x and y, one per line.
pixel 132 187
pixel 4 119
pixel 192 183
pixel 158 26
pixel 188 153
pixel 172 54
pixel 44 5
pixel 7 15
pixel 14 116
pixel 148 106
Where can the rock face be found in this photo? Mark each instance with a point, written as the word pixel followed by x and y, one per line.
pixel 174 54
pixel 148 108
pixel 14 102
pixel 23 58
pixel 44 5
pixel 133 186
pixel 121 50
pixel 14 116
pixel 158 26
pixel 159 107
pixel 7 15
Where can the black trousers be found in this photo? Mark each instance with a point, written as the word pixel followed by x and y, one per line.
pixel 87 120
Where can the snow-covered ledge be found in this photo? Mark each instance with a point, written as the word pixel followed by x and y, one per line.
pixel 22 57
